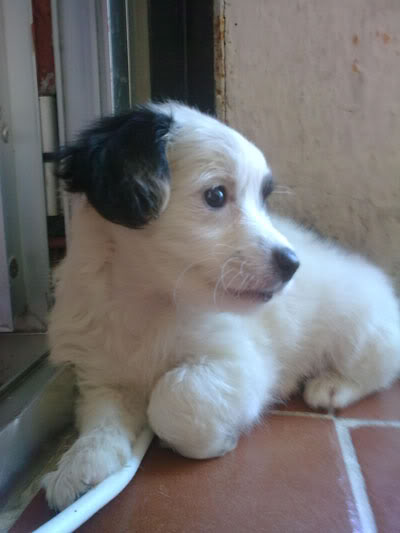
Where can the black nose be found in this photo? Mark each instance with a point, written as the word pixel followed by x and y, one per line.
pixel 286 261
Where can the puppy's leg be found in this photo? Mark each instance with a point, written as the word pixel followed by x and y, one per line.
pixel 108 425
pixel 200 409
pixel 368 365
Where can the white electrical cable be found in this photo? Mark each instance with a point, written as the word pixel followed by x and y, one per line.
pixel 87 505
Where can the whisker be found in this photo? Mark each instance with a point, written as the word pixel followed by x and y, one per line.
pixel 215 290
pixel 244 281
pixel 250 280
pixel 243 263
pixel 226 264
pixel 234 277
pixel 224 275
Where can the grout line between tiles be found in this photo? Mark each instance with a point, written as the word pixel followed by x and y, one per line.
pixel 356 478
pixel 301 413
pixel 348 422
pixel 355 422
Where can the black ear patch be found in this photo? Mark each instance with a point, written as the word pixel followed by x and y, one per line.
pixel 120 164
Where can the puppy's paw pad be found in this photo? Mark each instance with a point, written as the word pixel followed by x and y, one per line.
pixel 330 391
pixel 86 464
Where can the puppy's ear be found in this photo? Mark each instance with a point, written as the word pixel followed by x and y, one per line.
pixel 120 164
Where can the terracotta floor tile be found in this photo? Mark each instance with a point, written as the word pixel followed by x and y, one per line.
pixel 378 451
pixel 34 515
pixel 294 404
pixel 287 475
pixel 380 406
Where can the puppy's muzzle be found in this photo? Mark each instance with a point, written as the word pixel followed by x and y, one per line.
pixel 286 263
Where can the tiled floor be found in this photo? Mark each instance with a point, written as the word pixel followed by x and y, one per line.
pixel 298 471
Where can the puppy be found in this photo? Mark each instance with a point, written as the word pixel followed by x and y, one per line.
pixel 183 303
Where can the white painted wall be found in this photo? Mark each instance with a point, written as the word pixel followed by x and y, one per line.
pixel 316 84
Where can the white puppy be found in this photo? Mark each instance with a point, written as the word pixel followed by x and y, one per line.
pixel 173 303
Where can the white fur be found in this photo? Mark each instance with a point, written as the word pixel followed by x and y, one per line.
pixel 145 316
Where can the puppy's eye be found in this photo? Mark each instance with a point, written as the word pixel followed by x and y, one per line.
pixel 216 197
pixel 267 188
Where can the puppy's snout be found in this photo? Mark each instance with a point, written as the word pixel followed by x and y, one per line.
pixel 286 261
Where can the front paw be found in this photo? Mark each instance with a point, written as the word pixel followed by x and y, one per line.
pixel 331 391
pixel 190 419
pixel 89 461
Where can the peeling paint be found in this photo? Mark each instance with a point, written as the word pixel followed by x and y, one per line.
pixel 47 84
pixel 386 38
pixel 219 58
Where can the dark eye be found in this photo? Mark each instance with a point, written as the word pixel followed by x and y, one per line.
pixel 267 188
pixel 216 197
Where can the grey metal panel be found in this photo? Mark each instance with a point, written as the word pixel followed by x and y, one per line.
pixel 18 352
pixel 12 291
pixel 26 140
pixel 6 321
pixel 30 415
